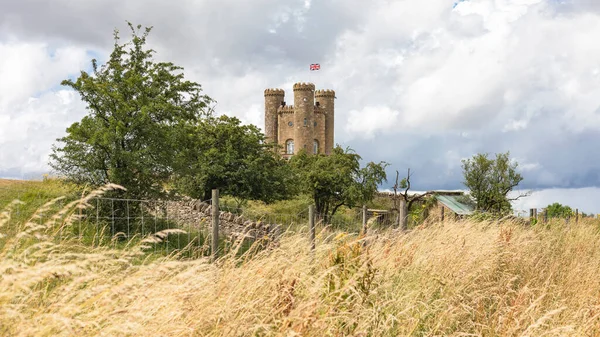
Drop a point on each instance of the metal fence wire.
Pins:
(121, 222)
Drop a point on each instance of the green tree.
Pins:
(337, 179)
(490, 181)
(557, 210)
(220, 152)
(136, 108)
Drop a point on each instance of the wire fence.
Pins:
(119, 222)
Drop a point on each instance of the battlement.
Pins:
(304, 86)
(274, 92)
(325, 93)
(288, 109)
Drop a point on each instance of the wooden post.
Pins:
(215, 224)
(442, 215)
(311, 223)
(364, 219)
(546, 215)
(531, 216)
(576, 215)
(403, 215)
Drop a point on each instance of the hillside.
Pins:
(451, 279)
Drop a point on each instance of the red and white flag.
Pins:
(315, 66)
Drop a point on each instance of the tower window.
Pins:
(315, 124)
(289, 146)
(305, 122)
(316, 146)
(291, 123)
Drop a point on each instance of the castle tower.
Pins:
(304, 111)
(273, 100)
(325, 100)
(305, 125)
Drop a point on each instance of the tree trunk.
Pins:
(403, 215)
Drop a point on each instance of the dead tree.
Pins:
(403, 202)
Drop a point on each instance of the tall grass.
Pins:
(450, 279)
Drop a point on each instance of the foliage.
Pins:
(490, 181)
(220, 152)
(337, 180)
(136, 109)
(557, 210)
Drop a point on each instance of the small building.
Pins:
(454, 204)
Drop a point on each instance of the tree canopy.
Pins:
(557, 210)
(220, 152)
(337, 180)
(136, 108)
(491, 180)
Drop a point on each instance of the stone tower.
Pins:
(308, 124)
(325, 100)
(273, 100)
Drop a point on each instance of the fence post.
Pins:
(576, 215)
(215, 223)
(546, 215)
(531, 216)
(364, 219)
(442, 214)
(403, 215)
(311, 223)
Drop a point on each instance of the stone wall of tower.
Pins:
(326, 98)
(285, 127)
(319, 133)
(273, 100)
(304, 112)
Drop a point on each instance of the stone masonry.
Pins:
(307, 124)
(191, 212)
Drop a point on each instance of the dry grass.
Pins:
(455, 279)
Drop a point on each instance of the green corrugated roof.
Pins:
(452, 202)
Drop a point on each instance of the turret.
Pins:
(325, 100)
(304, 108)
(274, 98)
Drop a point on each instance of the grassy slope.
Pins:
(452, 279)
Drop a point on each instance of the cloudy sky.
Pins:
(419, 83)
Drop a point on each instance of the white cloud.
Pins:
(27, 134)
(26, 69)
(366, 122)
(583, 199)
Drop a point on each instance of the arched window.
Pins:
(289, 146)
(316, 146)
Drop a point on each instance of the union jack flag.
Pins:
(315, 66)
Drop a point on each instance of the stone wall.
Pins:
(191, 212)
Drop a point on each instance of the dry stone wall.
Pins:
(196, 213)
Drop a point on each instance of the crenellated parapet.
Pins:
(274, 92)
(288, 109)
(325, 93)
(304, 86)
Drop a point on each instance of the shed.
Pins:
(455, 204)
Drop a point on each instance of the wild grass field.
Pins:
(440, 279)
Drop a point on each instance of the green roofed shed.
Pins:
(454, 204)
